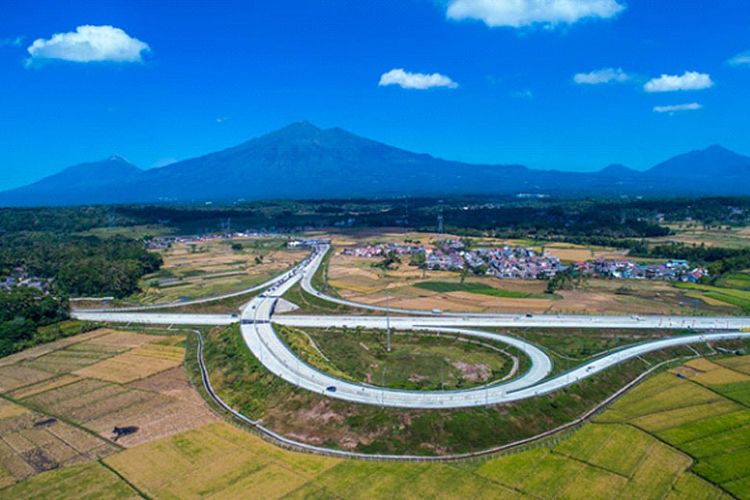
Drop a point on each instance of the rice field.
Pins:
(200, 269)
(701, 410)
(409, 287)
(86, 481)
(707, 373)
(670, 437)
(196, 464)
(135, 364)
(31, 443)
(60, 402)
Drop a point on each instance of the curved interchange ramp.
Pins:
(257, 320)
(258, 334)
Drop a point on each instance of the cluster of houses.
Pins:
(19, 277)
(383, 249)
(517, 263)
(504, 263)
(166, 242)
(672, 270)
(509, 262)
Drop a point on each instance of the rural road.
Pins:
(257, 320)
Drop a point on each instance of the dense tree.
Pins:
(22, 310)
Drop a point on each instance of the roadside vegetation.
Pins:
(734, 291)
(248, 387)
(417, 361)
(570, 347)
(477, 288)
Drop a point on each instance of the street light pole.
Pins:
(382, 387)
(387, 322)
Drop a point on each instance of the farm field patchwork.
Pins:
(692, 409)
(32, 442)
(194, 270)
(53, 413)
(409, 287)
(616, 454)
(90, 481)
(735, 297)
(691, 233)
(135, 364)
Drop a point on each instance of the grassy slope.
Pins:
(478, 288)
(247, 386)
(417, 361)
(569, 347)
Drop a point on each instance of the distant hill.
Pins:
(710, 162)
(304, 161)
(618, 171)
(83, 183)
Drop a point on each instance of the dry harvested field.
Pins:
(617, 456)
(31, 443)
(356, 279)
(569, 252)
(135, 364)
(692, 233)
(88, 384)
(208, 268)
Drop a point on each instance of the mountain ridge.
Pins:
(304, 161)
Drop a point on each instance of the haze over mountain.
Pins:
(304, 161)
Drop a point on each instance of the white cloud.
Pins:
(690, 80)
(600, 76)
(522, 94)
(740, 59)
(419, 81)
(674, 108)
(11, 42)
(89, 43)
(519, 13)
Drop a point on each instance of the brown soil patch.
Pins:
(180, 408)
(41, 350)
(44, 386)
(12, 377)
(28, 448)
(473, 373)
(125, 340)
(135, 364)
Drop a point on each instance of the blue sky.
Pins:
(496, 80)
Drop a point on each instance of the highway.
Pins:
(521, 320)
(257, 330)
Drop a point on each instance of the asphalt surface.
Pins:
(257, 331)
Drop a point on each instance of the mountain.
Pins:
(710, 162)
(303, 161)
(83, 183)
(618, 171)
